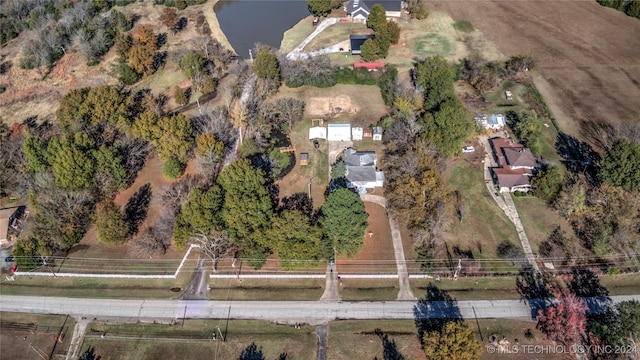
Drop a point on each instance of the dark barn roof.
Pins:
(357, 40)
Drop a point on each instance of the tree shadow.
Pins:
(298, 201)
(434, 311)
(136, 209)
(90, 354)
(180, 25)
(251, 352)
(533, 288)
(578, 157)
(586, 284)
(389, 348)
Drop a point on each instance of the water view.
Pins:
(246, 22)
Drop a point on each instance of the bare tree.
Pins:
(214, 246)
(290, 110)
(149, 245)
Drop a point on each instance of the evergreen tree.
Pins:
(345, 221)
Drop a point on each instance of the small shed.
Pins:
(318, 132)
(304, 159)
(367, 133)
(377, 133)
(356, 133)
(339, 132)
(371, 66)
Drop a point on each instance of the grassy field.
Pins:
(316, 172)
(471, 288)
(334, 34)
(294, 36)
(369, 289)
(193, 340)
(539, 220)
(30, 336)
(486, 226)
(356, 339)
(100, 288)
(266, 289)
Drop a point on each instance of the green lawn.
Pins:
(486, 226)
(349, 339)
(539, 220)
(369, 289)
(294, 36)
(334, 34)
(193, 340)
(100, 288)
(266, 289)
(471, 288)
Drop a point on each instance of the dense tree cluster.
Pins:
(527, 129)
(323, 7)
(630, 7)
(417, 9)
(345, 221)
(387, 33)
(58, 26)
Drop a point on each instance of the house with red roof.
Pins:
(516, 165)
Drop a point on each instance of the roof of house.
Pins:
(304, 156)
(496, 119)
(360, 158)
(377, 130)
(499, 144)
(356, 5)
(361, 174)
(512, 178)
(519, 157)
(5, 216)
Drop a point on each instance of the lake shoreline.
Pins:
(216, 30)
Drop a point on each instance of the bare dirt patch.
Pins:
(378, 255)
(588, 55)
(321, 106)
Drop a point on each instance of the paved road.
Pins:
(310, 312)
(198, 288)
(331, 292)
(321, 331)
(403, 275)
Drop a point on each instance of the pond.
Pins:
(246, 22)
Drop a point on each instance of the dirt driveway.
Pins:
(588, 56)
(335, 148)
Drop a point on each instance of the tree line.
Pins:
(629, 7)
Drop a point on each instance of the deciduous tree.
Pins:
(179, 96)
(436, 78)
(169, 18)
(319, 7)
(448, 127)
(454, 342)
(547, 183)
(621, 165)
(565, 321)
(110, 224)
(345, 221)
(266, 65)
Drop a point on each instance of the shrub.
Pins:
(172, 169)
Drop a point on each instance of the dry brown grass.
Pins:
(587, 55)
(24, 344)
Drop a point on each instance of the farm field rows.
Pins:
(587, 55)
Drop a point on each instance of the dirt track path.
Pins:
(403, 275)
(76, 340)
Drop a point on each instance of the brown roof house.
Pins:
(516, 165)
(10, 223)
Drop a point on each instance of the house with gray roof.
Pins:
(358, 10)
(361, 172)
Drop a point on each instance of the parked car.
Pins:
(316, 144)
(468, 149)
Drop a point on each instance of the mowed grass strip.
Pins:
(266, 289)
(96, 288)
(193, 339)
(348, 339)
(335, 34)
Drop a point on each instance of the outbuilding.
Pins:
(339, 132)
